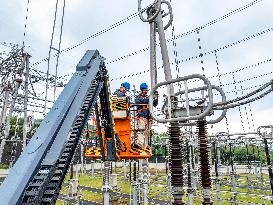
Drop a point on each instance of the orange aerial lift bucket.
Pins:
(125, 133)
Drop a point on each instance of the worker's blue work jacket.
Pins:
(119, 94)
(143, 110)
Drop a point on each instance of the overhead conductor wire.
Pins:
(49, 54)
(58, 52)
(25, 27)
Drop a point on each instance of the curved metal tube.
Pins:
(158, 10)
(158, 2)
(169, 13)
(245, 102)
(206, 111)
(246, 96)
(223, 114)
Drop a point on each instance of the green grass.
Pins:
(4, 166)
(125, 187)
(158, 189)
(89, 181)
(92, 196)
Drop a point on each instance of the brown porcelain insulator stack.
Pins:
(175, 164)
(204, 161)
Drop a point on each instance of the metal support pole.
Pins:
(187, 98)
(124, 169)
(130, 171)
(190, 190)
(139, 167)
(7, 129)
(84, 164)
(27, 56)
(218, 153)
(92, 168)
(217, 158)
(14, 97)
(269, 165)
(106, 183)
(177, 191)
(153, 69)
(82, 159)
(164, 53)
(156, 162)
(3, 119)
(261, 171)
(135, 197)
(166, 61)
(233, 175)
(49, 57)
(145, 179)
(5, 106)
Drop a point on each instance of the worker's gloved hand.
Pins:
(155, 94)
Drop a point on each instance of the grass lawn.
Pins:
(158, 189)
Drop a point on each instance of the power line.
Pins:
(239, 70)
(132, 16)
(239, 108)
(244, 68)
(111, 27)
(201, 27)
(227, 46)
(133, 74)
(25, 27)
(246, 113)
(175, 52)
(220, 84)
(242, 89)
(249, 79)
(238, 10)
(59, 48)
(49, 52)
(214, 76)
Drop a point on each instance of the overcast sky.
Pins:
(86, 17)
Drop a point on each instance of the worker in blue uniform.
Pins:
(124, 88)
(144, 120)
